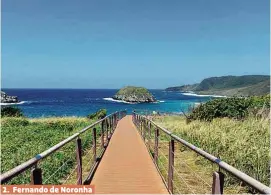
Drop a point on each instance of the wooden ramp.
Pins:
(126, 167)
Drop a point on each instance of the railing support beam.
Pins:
(36, 176)
(156, 146)
(94, 144)
(102, 135)
(170, 165)
(79, 160)
(218, 183)
(144, 130)
(111, 126)
(107, 127)
(149, 135)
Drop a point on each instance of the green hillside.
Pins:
(246, 85)
(183, 88)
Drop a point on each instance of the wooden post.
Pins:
(170, 165)
(79, 160)
(149, 135)
(106, 125)
(111, 126)
(102, 134)
(144, 130)
(115, 121)
(94, 144)
(218, 183)
(141, 125)
(36, 176)
(156, 146)
(112, 123)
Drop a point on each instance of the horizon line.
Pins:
(77, 88)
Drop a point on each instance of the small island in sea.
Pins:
(134, 95)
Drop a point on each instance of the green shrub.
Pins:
(98, 115)
(237, 108)
(11, 112)
(260, 101)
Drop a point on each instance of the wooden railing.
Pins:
(108, 125)
(172, 176)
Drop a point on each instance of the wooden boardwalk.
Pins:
(126, 167)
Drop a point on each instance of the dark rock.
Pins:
(8, 99)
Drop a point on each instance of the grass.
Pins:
(242, 144)
(23, 138)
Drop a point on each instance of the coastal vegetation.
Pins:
(233, 129)
(236, 108)
(23, 138)
(247, 85)
(98, 115)
(134, 95)
(9, 111)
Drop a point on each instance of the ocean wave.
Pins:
(119, 101)
(197, 95)
(50, 101)
(158, 101)
(18, 103)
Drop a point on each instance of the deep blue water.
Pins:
(81, 102)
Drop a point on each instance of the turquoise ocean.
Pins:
(81, 102)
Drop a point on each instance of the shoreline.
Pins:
(119, 101)
(122, 101)
(199, 95)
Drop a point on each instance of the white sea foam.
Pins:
(7, 104)
(193, 94)
(119, 101)
(158, 101)
(197, 103)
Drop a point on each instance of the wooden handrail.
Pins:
(255, 184)
(5, 177)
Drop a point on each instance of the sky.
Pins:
(114, 43)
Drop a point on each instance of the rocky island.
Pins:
(134, 95)
(8, 99)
